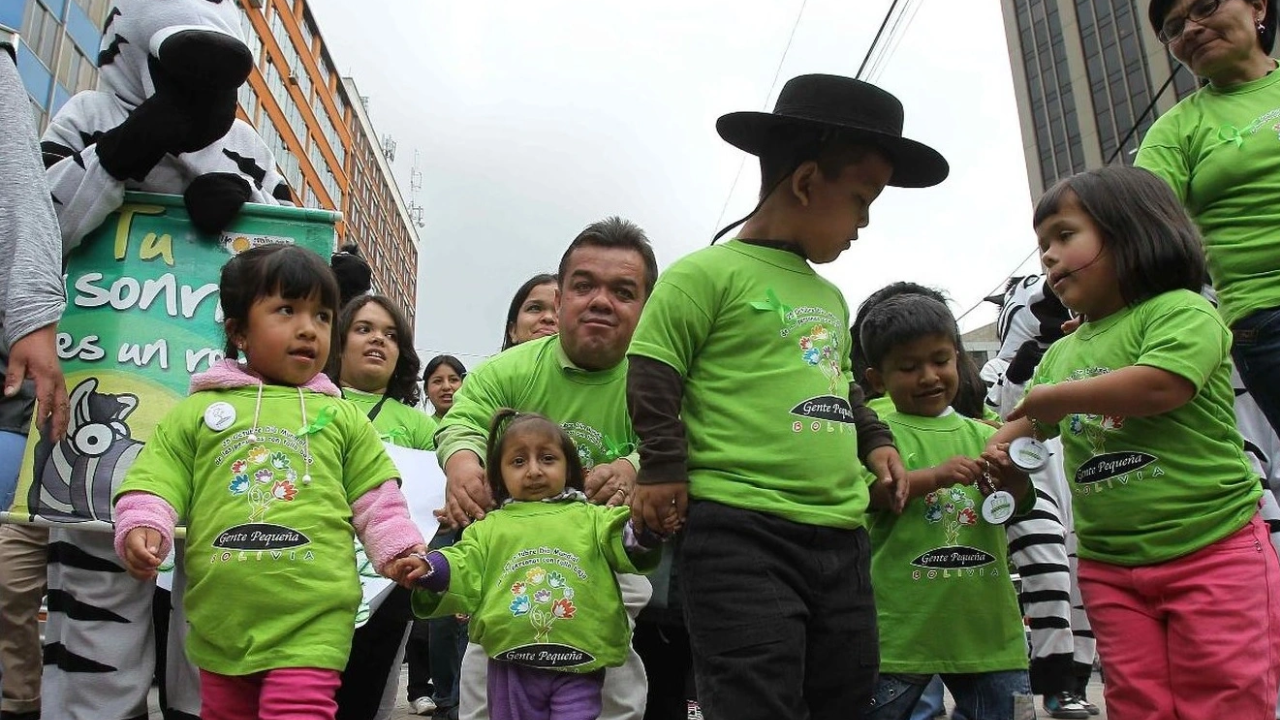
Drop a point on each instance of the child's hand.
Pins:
(959, 470)
(885, 463)
(408, 566)
(1040, 405)
(141, 552)
(660, 508)
(1004, 474)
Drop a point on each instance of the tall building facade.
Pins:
(1083, 73)
(302, 108)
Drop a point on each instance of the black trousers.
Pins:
(373, 654)
(781, 616)
(667, 663)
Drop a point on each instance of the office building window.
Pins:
(1119, 77)
(1057, 131)
(41, 31)
(75, 72)
(96, 10)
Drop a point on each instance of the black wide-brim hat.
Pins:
(857, 110)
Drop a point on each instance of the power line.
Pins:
(1119, 148)
(876, 40)
(772, 84)
(895, 38)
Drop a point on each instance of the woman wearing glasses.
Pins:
(1220, 150)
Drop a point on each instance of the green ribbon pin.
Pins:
(614, 450)
(325, 417)
(396, 433)
(1229, 134)
(771, 303)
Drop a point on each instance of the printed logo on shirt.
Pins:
(263, 478)
(1104, 466)
(595, 447)
(547, 655)
(260, 536)
(954, 510)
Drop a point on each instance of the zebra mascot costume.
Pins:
(162, 119)
(1042, 544)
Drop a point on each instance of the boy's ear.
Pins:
(802, 181)
(876, 379)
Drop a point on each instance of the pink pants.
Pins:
(1193, 638)
(281, 694)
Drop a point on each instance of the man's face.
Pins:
(601, 295)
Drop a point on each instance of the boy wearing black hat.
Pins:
(740, 390)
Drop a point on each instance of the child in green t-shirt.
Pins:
(538, 578)
(944, 560)
(273, 474)
(1176, 569)
(751, 433)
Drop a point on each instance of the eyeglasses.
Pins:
(1173, 27)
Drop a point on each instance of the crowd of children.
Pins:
(835, 555)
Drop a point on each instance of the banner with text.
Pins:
(142, 316)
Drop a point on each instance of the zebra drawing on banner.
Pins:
(73, 479)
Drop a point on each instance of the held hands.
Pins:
(142, 553)
(466, 492)
(409, 566)
(885, 463)
(611, 484)
(659, 508)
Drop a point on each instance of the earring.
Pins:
(1261, 28)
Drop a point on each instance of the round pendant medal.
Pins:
(219, 416)
(1028, 454)
(998, 507)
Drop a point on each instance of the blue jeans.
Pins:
(11, 447)
(929, 705)
(1256, 351)
(979, 696)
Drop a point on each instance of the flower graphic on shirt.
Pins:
(541, 605)
(563, 609)
(520, 606)
(812, 356)
(806, 342)
(291, 475)
(284, 490)
(258, 454)
(953, 508)
(1094, 428)
(279, 460)
(264, 476)
(239, 466)
(239, 484)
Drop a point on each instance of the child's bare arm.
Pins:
(958, 470)
(1134, 391)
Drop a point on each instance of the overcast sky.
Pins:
(532, 120)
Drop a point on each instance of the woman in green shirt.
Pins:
(376, 367)
(1217, 148)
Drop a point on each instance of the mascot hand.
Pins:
(131, 149)
(214, 200)
(1024, 362)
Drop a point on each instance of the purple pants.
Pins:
(520, 692)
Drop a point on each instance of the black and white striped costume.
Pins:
(162, 119)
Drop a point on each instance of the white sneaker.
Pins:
(423, 706)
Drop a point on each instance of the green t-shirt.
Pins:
(1220, 150)
(944, 600)
(538, 580)
(762, 343)
(271, 574)
(396, 422)
(1150, 489)
(538, 377)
